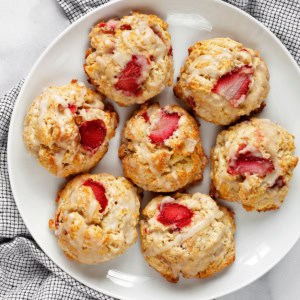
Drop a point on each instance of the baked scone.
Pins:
(252, 163)
(96, 217)
(68, 128)
(161, 149)
(223, 80)
(187, 234)
(131, 59)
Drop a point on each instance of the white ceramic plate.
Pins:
(262, 239)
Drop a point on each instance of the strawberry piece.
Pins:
(234, 85)
(145, 116)
(165, 127)
(175, 214)
(57, 220)
(125, 27)
(191, 102)
(72, 108)
(92, 134)
(99, 192)
(279, 182)
(129, 80)
(248, 163)
(102, 24)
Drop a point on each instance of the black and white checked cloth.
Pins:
(25, 271)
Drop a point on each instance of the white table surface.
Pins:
(26, 29)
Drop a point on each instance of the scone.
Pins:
(188, 235)
(222, 80)
(96, 217)
(252, 163)
(161, 148)
(68, 128)
(130, 60)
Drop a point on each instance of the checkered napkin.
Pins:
(25, 271)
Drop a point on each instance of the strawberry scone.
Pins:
(252, 163)
(130, 59)
(96, 217)
(223, 80)
(68, 128)
(187, 235)
(161, 149)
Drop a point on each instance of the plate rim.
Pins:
(225, 291)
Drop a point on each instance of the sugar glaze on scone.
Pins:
(96, 217)
(130, 60)
(223, 80)
(161, 148)
(187, 234)
(253, 163)
(68, 128)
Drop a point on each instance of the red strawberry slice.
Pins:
(125, 27)
(248, 163)
(165, 127)
(145, 116)
(234, 85)
(99, 192)
(72, 108)
(175, 214)
(279, 182)
(92, 134)
(129, 80)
